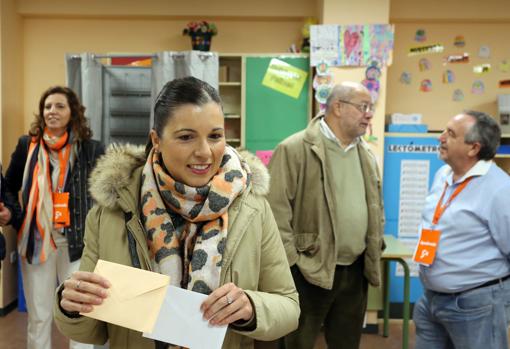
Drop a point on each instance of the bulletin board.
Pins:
(271, 115)
(438, 105)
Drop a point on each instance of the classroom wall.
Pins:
(59, 27)
(448, 11)
(481, 23)
(175, 8)
(437, 106)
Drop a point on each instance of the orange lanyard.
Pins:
(441, 208)
(63, 157)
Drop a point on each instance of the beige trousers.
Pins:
(40, 283)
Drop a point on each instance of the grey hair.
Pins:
(485, 131)
(344, 91)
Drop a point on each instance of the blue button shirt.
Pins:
(474, 245)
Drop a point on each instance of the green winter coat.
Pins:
(254, 257)
(302, 204)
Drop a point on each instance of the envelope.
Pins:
(134, 298)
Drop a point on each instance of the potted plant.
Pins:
(201, 33)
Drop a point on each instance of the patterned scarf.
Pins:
(34, 236)
(187, 226)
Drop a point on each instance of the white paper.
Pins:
(324, 44)
(414, 179)
(180, 322)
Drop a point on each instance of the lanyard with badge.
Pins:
(61, 216)
(425, 252)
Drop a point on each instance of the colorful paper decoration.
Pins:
(264, 156)
(504, 66)
(405, 78)
(478, 87)
(458, 95)
(459, 41)
(322, 93)
(350, 45)
(372, 74)
(322, 68)
(322, 80)
(421, 50)
(424, 64)
(373, 87)
(426, 85)
(420, 35)
(448, 77)
(504, 83)
(463, 58)
(484, 51)
(482, 68)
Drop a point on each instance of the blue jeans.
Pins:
(476, 319)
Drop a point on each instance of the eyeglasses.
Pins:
(362, 108)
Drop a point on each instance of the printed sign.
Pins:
(285, 78)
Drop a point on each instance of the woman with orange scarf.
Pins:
(51, 166)
(193, 208)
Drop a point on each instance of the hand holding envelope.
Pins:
(134, 299)
(143, 301)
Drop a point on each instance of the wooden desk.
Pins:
(396, 251)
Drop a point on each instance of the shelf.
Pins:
(230, 83)
(232, 116)
(502, 156)
(233, 140)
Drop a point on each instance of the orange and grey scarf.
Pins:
(187, 226)
(34, 236)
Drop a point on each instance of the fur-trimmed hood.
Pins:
(114, 170)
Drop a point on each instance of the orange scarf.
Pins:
(187, 226)
(34, 237)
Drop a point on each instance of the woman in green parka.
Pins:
(190, 207)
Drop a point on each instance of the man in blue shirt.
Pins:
(466, 303)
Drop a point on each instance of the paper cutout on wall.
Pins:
(372, 75)
(352, 37)
(504, 66)
(448, 77)
(264, 156)
(321, 93)
(484, 51)
(478, 87)
(420, 35)
(458, 95)
(459, 41)
(322, 80)
(351, 45)
(372, 86)
(504, 83)
(463, 58)
(424, 64)
(322, 68)
(405, 78)
(426, 85)
(421, 50)
(285, 78)
(482, 68)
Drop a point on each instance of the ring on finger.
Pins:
(229, 300)
(78, 284)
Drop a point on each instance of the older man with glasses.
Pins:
(325, 195)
